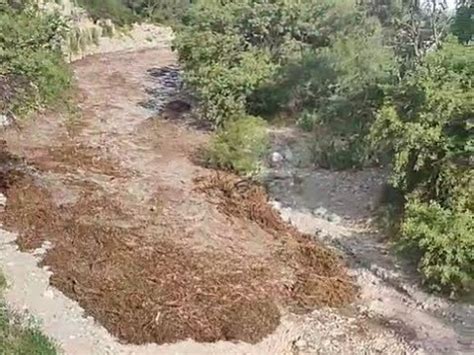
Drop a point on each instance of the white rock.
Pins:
(321, 212)
(4, 121)
(277, 157)
(276, 204)
(334, 218)
(301, 343)
(3, 200)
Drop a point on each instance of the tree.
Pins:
(425, 127)
(463, 23)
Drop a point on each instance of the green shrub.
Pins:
(47, 70)
(230, 50)
(125, 12)
(336, 153)
(444, 240)
(425, 127)
(239, 145)
(221, 71)
(463, 24)
(163, 11)
(114, 10)
(286, 57)
(31, 52)
(18, 338)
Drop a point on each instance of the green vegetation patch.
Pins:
(18, 338)
(32, 67)
(239, 145)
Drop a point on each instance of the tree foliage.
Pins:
(240, 55)
(124, 12)
(239, 145)
(426, 126)
(463, 23)
(32, 69)
(377, 81)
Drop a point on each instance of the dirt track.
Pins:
(135, 242)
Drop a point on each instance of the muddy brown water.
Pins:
(143, 251)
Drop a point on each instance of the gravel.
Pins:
(334, 206)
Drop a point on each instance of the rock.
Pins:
(4, 121)
(276, 205)
(334, 218)
(3, 200)
(39, 252)
(301, 343)
(321, 212)
(277, 158)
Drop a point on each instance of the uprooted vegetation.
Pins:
(155, 290)
(149, 257)
(320, 279)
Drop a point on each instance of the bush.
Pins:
(337, 153)
(340, 88)
(266, 58)
(163, 11)
(463, 23)
(30, 53)
(114, 10)
(239, 145)
(231, 49)
(125, 12)
(221, 71)
(444, 240)
(425, 126)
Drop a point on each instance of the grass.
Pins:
(16, 338)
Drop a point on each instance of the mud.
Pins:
(141, 250)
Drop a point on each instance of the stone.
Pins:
(276, 204)
(301, 343)
(278, 175)
(39, 252)
(4, 121)
(3, 200)
(321, 212)
(276, 158)
(334, 218)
